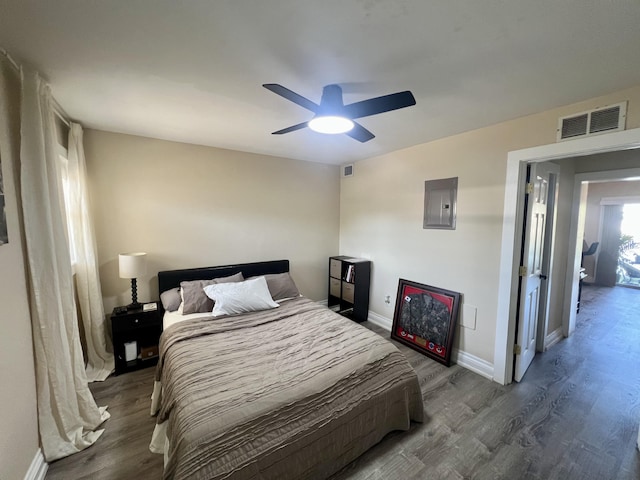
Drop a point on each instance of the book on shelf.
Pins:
(351, 274)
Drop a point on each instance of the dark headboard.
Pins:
(172, 278)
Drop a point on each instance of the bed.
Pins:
(293, 392)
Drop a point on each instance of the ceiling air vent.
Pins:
(575, 126)
(605, 120)
(600, 120)
(347, 171)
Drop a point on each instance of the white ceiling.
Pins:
(192, 71)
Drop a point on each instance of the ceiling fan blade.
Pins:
(290, 129)
(373, 106)
(360, 133)
(291, 96)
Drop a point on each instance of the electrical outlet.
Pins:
(387, 299)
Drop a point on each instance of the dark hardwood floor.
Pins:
(575, 415)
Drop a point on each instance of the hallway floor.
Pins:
(598, 370)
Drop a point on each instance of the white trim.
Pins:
(516, 160)
(620, 200)
(380, 321)
(609, 175)
(473, 363)
(553, 338)
(38, 468)
(464, 359)
(611, 142)
(548, 252)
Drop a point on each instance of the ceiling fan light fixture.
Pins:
(330, 124)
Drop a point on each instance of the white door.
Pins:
(531, 275)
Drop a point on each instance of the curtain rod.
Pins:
(60, 113)
(57, 109)
(11, 60)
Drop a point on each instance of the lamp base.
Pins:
(134, 305)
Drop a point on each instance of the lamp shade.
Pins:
(132, 265)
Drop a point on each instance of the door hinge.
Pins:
(517, 350)
(529, 188)
(522, 271)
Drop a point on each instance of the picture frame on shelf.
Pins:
(425, 319)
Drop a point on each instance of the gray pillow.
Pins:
(193, 296)
(171, 299)
(281, 285)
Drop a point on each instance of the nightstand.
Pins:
(136, 334)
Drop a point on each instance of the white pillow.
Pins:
(240, 297)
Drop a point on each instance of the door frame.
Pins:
(512, 235)
(547, 256)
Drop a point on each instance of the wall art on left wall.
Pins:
(4, 236)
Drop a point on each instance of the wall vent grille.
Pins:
(594, 122)
(347, 171)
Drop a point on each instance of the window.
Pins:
(68, 189)
(67, 193)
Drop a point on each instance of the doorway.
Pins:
(612, 221)
(536, 253)
(628, 272)
(582, 152)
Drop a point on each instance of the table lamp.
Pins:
(133, 266)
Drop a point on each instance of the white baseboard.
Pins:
(464, 359)
(553, 338)
(38, 468)
(380, 321)
(473, 363)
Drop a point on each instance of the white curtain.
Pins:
(100, 361)
(67, 413)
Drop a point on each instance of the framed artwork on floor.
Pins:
(425, 319)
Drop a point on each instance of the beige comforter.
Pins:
(296, 392)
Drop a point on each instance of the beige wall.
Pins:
(382, 205)
(193, 206)
(18, 413)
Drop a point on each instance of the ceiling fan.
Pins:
(333, 116)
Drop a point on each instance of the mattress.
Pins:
(296, 392)
(169, 318)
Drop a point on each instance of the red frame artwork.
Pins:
(425, 319)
